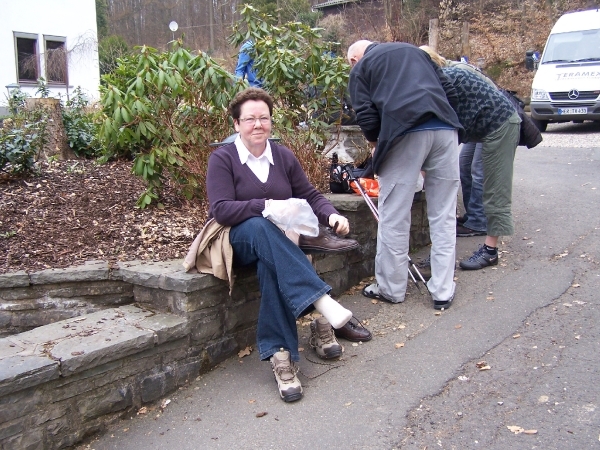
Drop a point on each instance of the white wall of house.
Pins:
(43, 24)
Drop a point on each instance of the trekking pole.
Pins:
(375, 212)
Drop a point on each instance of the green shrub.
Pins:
(164, 109)
(22, 134)
(302, 73)
(81, 126)
(19, 146)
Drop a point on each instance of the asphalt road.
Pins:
(531, 323)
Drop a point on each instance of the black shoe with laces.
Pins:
(480, 259)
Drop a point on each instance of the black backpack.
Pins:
(338, 176)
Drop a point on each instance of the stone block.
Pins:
(58, 427)
(128, 369)
(180, 303)
(241, 315)
(89, 376)
(95, 289)
(5, 319)
(188, 371)
(175, 350)
(245, 337)
(57, 392)
(21, 293)
(221, 349)
(167, 327)
(19, 404)
(330, 263)
(104, 401)
(205, 326)
(168, 275)
(49, 413)
(90, 271)
(25, 320)
(12, 428)
(153, 387)
(79, 353)
(14, 279)
(30, 440)
(21, 372)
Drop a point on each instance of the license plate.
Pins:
(572, 110)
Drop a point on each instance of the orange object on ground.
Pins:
(370, 186)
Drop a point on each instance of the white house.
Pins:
(53, 39)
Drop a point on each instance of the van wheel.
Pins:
(540, 124)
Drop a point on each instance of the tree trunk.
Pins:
(434, 31)
(464, 39)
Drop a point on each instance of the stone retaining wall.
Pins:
(69, 378)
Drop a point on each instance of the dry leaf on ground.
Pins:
(245, 352)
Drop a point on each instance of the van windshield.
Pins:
(575, 46)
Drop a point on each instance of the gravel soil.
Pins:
(75, 211)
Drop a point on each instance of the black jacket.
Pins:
(530, 135)
(395, 87)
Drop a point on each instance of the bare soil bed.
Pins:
(75, 211)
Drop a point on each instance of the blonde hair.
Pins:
(435, 56)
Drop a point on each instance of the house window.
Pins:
(27, 58)
(56, 60)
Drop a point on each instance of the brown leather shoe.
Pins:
(353, 331)
(326, 242)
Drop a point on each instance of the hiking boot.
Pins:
(480, 259)
(462, 231)
(424, 267)
(285, 370)
(323, 340)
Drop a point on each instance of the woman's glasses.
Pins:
(252, 120)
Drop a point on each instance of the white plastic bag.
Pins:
(293, 214)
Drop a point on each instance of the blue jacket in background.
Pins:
(244, 68)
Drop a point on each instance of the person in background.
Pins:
(243, 179)
(489, 117)
(244, 68)
(414, 129)
(473, 222)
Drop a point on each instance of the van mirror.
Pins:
(532, 59)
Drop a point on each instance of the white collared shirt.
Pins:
(259, 166)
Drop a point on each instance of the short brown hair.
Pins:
(235, 107)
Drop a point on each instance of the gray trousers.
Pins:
(436, 152)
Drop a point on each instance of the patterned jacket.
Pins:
(482, 108)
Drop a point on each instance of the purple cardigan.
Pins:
(235, 194)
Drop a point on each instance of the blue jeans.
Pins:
(288, 283)
(471, 180)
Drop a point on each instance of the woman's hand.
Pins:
(343, 227)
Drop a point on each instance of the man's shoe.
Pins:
(424, 268)
(461, 219)
(462, 231)
(437, 304)
(285, 370)
(323, 340)
(353, 332)
(480, 259)
(326, 242)
(372, 291)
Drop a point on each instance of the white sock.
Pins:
(335, 313)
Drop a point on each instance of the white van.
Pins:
(566, 86)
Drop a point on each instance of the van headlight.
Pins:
(539, 95)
